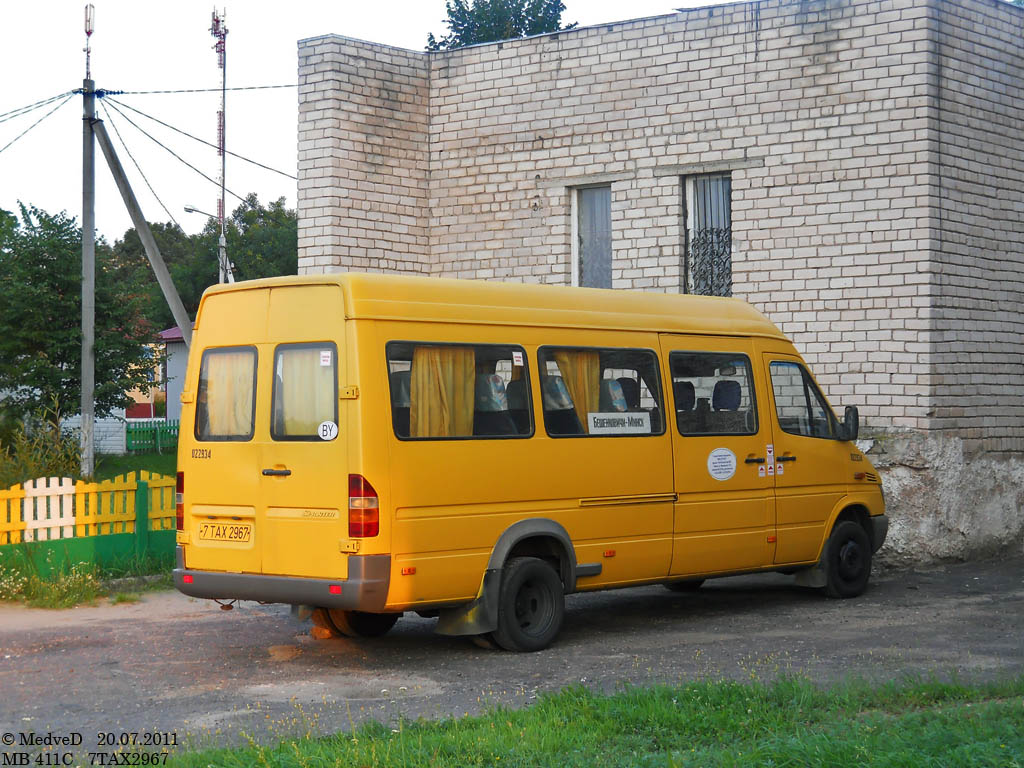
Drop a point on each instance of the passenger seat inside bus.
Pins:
(687, 419)
(630, 391)
(559, 413)
(400, 402)
(611, 399)
(491, 416)
(518, 405)
(725, 403)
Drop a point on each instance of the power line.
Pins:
(25, 110)
(196, 138)
(202, 90)
(135, 162)
(37, 122)
(173, 153)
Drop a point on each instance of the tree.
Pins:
(40, 319)
(262, 241)
(484, 21)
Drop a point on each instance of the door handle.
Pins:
(751, 460)
(786, 458)
(276, 472)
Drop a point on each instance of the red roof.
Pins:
(171, 334)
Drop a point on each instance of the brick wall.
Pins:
(363, 117)
(825, 112)
(978, 70)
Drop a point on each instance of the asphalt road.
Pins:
(175, 664)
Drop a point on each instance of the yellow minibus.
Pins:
(366, 445)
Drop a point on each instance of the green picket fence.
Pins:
(152, 437)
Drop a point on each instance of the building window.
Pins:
(709, 235)
(594, 236)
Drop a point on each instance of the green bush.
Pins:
(37, 447)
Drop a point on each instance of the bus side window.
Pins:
(713, 393)
(600, 392)
(446, 391)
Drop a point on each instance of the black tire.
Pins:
(360, 624)
(690, 585)
(847, 560)
(531, 605)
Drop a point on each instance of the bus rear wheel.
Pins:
(361, 624)
(531, 605)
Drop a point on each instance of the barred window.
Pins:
(709, 235)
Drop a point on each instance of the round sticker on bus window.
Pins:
(721, 464)
(327, 430)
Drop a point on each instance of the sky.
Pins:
(145, 45)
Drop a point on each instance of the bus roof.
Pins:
(430, 299)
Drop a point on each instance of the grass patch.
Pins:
(66, 588)
(790, 722)
(124, 597)
(165, 463)
(81, 583)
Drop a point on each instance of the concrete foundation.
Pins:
(946, 501)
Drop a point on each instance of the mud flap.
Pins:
(478, 616)
(813, 577)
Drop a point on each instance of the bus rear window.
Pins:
(305, 392)
(226, 401)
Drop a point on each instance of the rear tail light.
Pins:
(363, 508)
(179, 502)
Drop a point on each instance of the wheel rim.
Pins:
(533, 608)
(851, 560)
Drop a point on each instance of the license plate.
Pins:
(241, 532)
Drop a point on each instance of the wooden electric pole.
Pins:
(88, 259)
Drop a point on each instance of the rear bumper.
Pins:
(365, 589)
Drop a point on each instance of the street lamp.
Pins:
(226, 272)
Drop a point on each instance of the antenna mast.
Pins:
(220, 34)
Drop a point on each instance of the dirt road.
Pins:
(174, 664)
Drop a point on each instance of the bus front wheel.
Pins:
(847, 560)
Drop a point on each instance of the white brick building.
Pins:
(868, 156)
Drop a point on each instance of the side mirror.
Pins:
(850, 427)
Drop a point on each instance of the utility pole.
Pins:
(88, 255)
(93, 130)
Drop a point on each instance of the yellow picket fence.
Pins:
(47, 509)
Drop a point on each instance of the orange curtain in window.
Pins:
(581, 371)
(441, 392)
(228, 393)
(305, 388)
